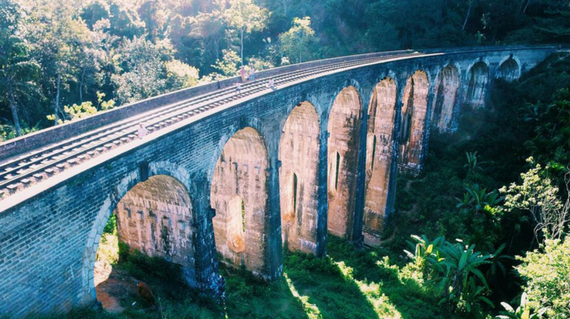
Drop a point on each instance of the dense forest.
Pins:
(480, 233)
(62, 60)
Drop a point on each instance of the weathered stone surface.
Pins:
(380, 146)
(478, 85)
(155, 217)
(299, 156)
(413, 117)
(445, 98)
(48, 240)
(509, 70)
(344, 126)
(239, 197)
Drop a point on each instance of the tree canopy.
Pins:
(60, 53)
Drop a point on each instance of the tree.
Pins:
(380, 34)
(551, 122)
(463, 284)
(547, 276)
(155, 15)
(59, 38)
(300, 41)
(144, 69)
(125, 21)
(17, 70)
(210, 28)
(467, 12)
(245, 16)
(540, 198)
(102, 59)
(228, 66)
(66, 43)
(180, 75)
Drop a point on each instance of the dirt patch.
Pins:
(113, 286)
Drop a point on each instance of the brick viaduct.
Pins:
(290, 166)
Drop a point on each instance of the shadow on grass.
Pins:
(174, 298)
(346, 284)
(327, 288)
(250, 297)
(409, 300)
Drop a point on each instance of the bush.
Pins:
(548, 276)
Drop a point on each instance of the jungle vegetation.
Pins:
(65, 59)
(480, 233)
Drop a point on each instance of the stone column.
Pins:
(394, 169)
(207, 270)
(322, 198)
(458, 104)
(427, 123)
(357, 236)
(274, 261)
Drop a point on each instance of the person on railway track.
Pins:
(142, 132)
(251, 72)
(242, 73)
(271, 84)
(238, 88)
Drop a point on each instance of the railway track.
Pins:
(20, 172)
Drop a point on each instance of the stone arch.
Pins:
(170, 212)
(478, 77)
(343, 142)
(379, 146)
(509, 70)
(446, 87)
(240, 177)
(412, 125)
(299, 156)
(155, 217)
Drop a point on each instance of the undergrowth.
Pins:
(345, 284)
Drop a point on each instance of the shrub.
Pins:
(548, 276)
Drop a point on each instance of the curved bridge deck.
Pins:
(21, 171)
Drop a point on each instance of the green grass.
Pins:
(345, 284)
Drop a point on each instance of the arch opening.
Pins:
(445, 98)
(239, 196)
(343, 142)
(381, 117)
(154, 217)
(477, 89)
(412, 126)
(509, 70)
(299, 156)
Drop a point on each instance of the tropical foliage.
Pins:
(547, 276)
(61, 53)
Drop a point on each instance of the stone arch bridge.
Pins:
(239, 174)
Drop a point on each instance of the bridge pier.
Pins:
(208, 276)
(273, 230)
(322, 189)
